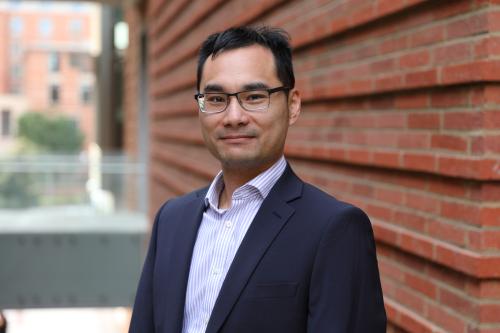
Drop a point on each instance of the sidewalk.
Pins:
(85, 320)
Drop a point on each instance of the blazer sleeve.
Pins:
(142, 320)
(345, 291)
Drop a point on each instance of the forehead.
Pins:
(233, 69)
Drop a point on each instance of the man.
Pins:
(259, 250)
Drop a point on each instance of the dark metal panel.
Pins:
(69, 269)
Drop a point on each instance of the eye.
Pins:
(255, 97)
(215, 98)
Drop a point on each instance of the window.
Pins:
(45, 27)
(85, 94)
(76, 27)
(75, 60)
(54, 62)
(16, 26)
(80, 61)
(6, 123)
(54, 94)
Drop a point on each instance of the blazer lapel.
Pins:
(176, 270)
(270, 219)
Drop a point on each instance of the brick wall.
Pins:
(401, 116)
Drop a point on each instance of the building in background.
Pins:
(47, 52)
(400, 116)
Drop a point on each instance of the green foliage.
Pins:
(52, 134)
(16, 191)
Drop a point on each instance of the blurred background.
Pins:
(400, 116)
(73, 205)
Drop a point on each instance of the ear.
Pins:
(293, 106)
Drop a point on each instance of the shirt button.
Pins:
(216, 271)
(228, 224)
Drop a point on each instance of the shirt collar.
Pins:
(262, 184)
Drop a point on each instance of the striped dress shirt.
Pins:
(219, 237)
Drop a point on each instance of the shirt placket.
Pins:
(223, 246)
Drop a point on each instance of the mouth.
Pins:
(236, 138)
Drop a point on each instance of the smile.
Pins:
(236, 138)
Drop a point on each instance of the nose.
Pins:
(235, 115)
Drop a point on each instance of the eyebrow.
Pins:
(248, 86)
(255, 85)
(213, 88)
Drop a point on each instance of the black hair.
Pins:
(274, 39)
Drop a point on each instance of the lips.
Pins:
(236, 138)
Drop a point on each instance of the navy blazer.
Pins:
(306, 264)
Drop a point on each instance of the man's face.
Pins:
(242, 139)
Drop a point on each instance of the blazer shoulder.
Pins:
(332, 210)
(180, 203)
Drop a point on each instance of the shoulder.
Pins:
(333, 213)
(177, 204)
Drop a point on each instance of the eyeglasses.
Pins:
(250, 100)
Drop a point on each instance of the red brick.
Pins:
(422, 203)
(449, 142)
(360, 156)
(448, 188)
(394, 44)
(494, 20)
(412, 101)
(489, 313)
(490, 240)
(463, 167)
(427, 36)
(411, 220)
(463, 73)
(424, 120)
(447, 232)
(385, 7)
(421, 79)
(386, 159)
(458, 303)
(489, 289)
(461, 212)
(448, 321)
(451, 9)
(384, 234)
(409, 299)
(449, 98)
(415, 59)
(489, 192)
(477, 145)
(447, 276)
(486, 47)
(492, 144)
(390, 120)
(414, 140)
(389, 82)
(467, 26)
(382, 66)
(448, 54)
(416, 245)
(422, 285)
(462, 120)
(491, 119)
(390, 270)
(492, 94)
(379, 212)
(419, 161)
(489, 266)
(389, 195)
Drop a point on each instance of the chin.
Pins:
(240, 162)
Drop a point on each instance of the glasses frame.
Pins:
(236, 94)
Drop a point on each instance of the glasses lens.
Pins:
(213, 102)
(254, 100)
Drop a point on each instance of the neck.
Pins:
(235, 178)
